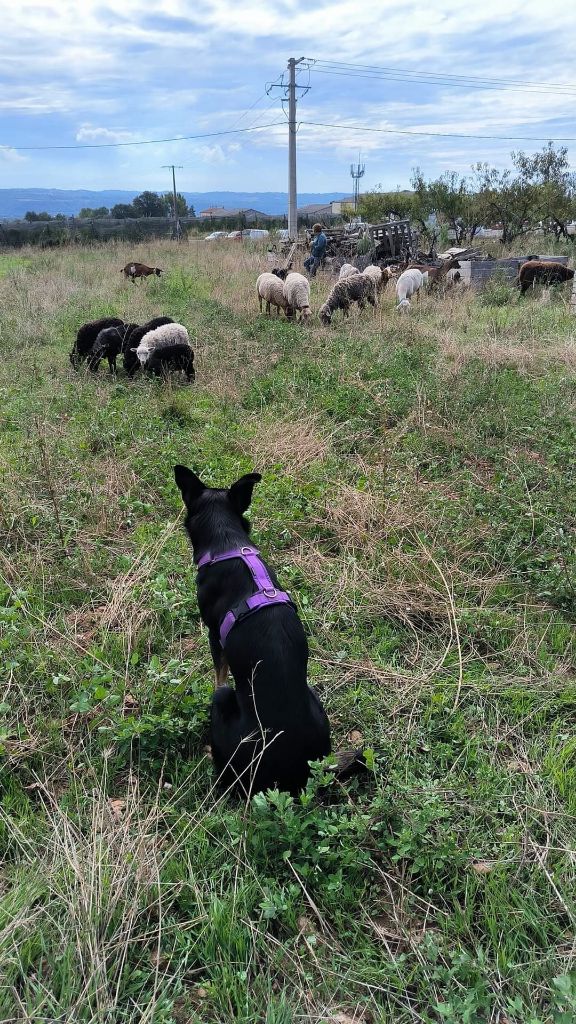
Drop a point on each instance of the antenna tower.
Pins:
(357, 171)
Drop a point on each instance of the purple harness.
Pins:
(266, 593)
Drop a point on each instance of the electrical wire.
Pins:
(430, 77)
(441, 135)
(146, 142)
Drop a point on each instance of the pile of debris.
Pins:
(459, 253)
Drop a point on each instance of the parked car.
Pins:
(249, 234)
(214, 235)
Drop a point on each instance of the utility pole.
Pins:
(292, 189)
(172, 167)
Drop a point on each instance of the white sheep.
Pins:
(407, 285)
(297, 294)
(168, 345)
(380, 275)
(270, 288)
(347, 270)
(376, 274)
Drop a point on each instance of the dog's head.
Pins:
(157, 271)
(210, 509)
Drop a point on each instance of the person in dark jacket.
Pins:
(317, 250)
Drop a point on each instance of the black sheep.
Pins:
(133, 338)
(544, 271)
(86, 338)
(108, 345)
(173, 357)
(356, 288)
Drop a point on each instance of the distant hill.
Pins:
(15, 202)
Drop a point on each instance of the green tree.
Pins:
(31, 216)
(422, 204)
(508, 200)
(555, 186)
(181, 204)
(456, 204)
(122, 211)
(150, 204)
(97, 213)
(377, 206)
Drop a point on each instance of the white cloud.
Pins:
(211, 154)
(10, 155)
(93, 67)
(90, 133)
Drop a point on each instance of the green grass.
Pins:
(418, 500)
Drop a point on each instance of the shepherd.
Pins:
(317, 250)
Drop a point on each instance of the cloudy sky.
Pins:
(86, 73)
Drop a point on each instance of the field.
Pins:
(418, 499)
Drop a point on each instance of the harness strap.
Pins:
(266, 593)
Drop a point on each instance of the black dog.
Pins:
(266, 729)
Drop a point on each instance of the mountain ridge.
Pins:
(15, 202)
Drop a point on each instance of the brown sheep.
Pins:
(134, 270)
(543, 271)
(435, 277)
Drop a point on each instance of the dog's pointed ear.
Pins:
(240, 494)
(191, 486)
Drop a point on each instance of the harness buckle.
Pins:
(270, 592)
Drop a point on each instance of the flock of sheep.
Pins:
(289, 291)
(156, 347)
(161, 345)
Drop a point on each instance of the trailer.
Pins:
(394, 240)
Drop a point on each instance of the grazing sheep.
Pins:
(282, 272)
(270, 288)
(297, 295)
(86, 338)
(347, 270)
(356, 288)
(407, 285)
(108, 345)
(166, 348)
(453, 278)
(133, 338)
(380, 275)
(546, 272)
(134, 270)
(375, 273)
(435, 277)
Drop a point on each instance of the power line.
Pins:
(146, 142)
(251, 107)
(441, 135)
(465, 81)
(441, 84)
